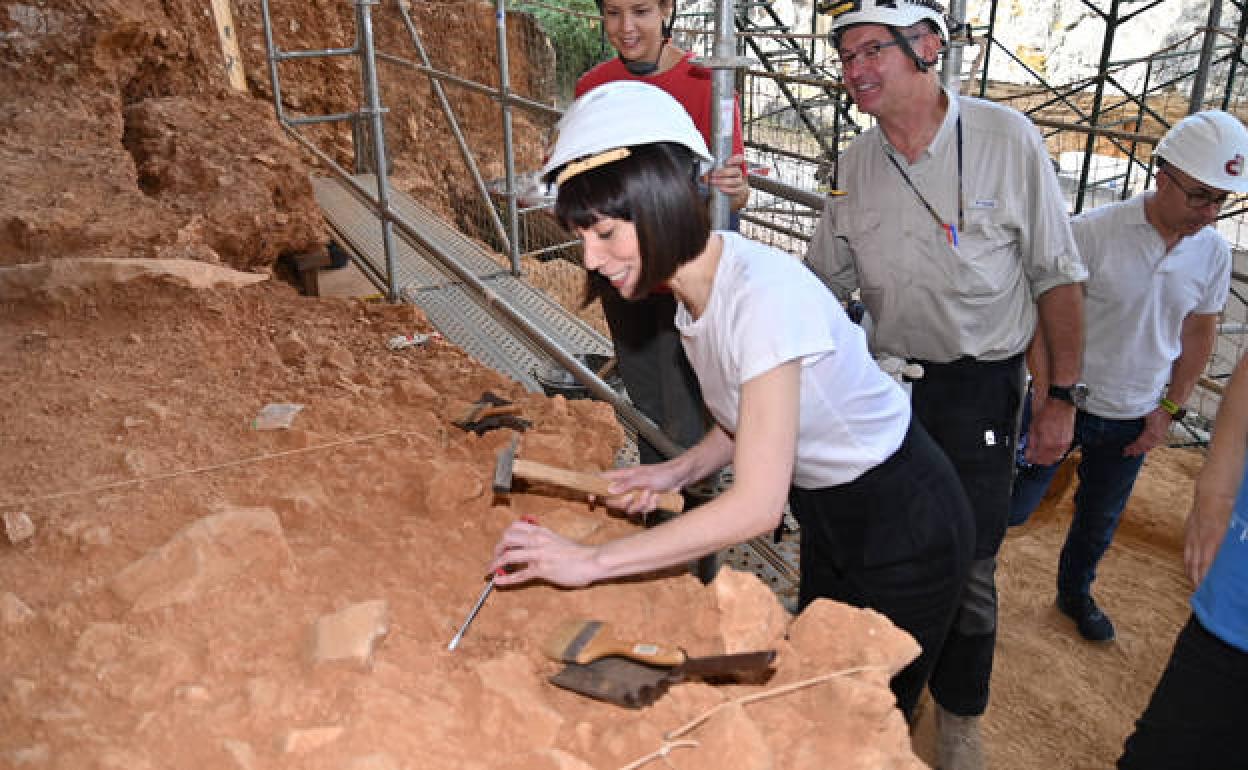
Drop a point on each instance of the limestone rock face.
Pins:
(1063, 40)
(65, 275)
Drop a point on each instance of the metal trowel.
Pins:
(631, 684)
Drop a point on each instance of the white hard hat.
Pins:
(622, 113)
(1210, 147)
(890, 13)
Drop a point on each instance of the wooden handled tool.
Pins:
(625, 682)
(509, 467)
(584, 641)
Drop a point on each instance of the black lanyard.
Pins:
(951, 232)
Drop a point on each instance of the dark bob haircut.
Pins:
(655, 188)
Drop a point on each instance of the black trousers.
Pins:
(971, 409)
(898, 540)
(652, 363)
(1195, 719)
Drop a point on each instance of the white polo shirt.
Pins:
(929, 299)
(766, 309)
(1137, 298)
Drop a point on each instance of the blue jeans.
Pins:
(1105, 481)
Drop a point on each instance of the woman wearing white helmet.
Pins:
(800, 408)
(647, 348)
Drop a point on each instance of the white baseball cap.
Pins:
(1210, 147)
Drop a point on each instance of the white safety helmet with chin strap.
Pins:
(600, 126)
(1210, 147)
(894, 14)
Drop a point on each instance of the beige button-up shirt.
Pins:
(928, 298)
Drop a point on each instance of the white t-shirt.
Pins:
(766, 308)
(1137, 298)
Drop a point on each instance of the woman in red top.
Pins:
(650, 358)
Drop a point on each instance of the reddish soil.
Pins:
(166, 610)
(182, 557)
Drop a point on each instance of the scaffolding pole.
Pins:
(1107, 44)
(951, 74)
(509, 158)
(723, 67)
(1201, 80)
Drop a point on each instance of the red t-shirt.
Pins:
(687, 83)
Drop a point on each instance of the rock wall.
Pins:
(119, 134)
(1062, 41)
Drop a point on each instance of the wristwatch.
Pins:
(1175, 411)
(1076, 395)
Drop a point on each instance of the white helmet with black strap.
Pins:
(1210, 147)
(897, 15)
(600, 126)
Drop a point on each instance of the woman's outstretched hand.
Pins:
(529, 551)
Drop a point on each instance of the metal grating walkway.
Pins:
(452, 307)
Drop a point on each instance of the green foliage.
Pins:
(578, 43)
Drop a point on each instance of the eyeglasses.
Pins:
(870, 52)
(1200, 197)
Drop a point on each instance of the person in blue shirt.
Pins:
(1198, 712)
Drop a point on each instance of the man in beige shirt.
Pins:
(955, 232)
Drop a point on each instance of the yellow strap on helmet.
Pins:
(592, 162)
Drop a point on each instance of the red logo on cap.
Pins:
(1235, 166)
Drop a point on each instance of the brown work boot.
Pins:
(958, 742)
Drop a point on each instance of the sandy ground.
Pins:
(1059, 701)
(199, 587)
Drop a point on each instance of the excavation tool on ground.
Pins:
(584, 641)
(490, 412)
(509, 467)
(485, 594)
(635, 674)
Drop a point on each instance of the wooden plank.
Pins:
(224, 19)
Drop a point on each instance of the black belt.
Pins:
(966, 363)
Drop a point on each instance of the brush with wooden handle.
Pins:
(584, 641)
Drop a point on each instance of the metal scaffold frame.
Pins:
(1094, 117)
(797, 117)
